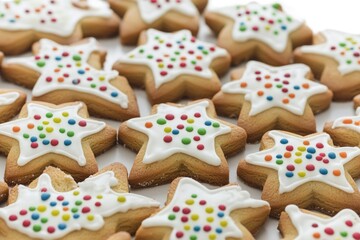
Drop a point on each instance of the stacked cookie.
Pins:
(53, 187)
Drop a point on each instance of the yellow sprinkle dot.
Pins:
(210, 219)
(78, 64)
(65, 114)
(160, 65)
(99, 196)
(301, 149)
(66, 217)
(101, 78)
(223, 223)
(194, 217)
(49, 129)
(55, 212)
(189, 202)
(45, 122)
(301, 174)
(190, 120)
(76, 193)
(161, 41)
(57, 120)
(298, 154)
(41, 208)
(298, 160)
(209, 209)
(90, 217)
(267, 28)
(187, 227)
(121, 199)
(131, 56)
(212, 236)
(167, 129)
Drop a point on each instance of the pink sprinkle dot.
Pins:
(186, 210)
(329, 231)
(169, 116)
(349, 223)
(54, 142)
(310, 167)
(176, 209)
(167, 139)
(319, 145)
(12, 218)
(82, 123)
(200, 147)
(179, 234)
(51, 229)
(26, 223)
(85, 210)
(207, 228)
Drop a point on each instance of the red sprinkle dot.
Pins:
(329, 231)
(23, 212)
(289, 148)
(34, 145)
(176, 209)
(184, 117)
(290, 167)
(310, 167)
(98, 204)
(196, 138)
(356, 235)
(169, 116)
(12, 218)
(87, 197)
(167, 139)
(200, 147)
(26, 223)
(54, 142)
(163, 73)
(51, 229)
(197, 115)
(60, 198)
(207, 228)
(180, 126)
(82, 123)
(349, 223)
(202, 202)
(184, 219)
(222, 207)
(186, 210)
(319, 145)
(179, 234)
(85, 210)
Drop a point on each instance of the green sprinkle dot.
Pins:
(49, 115)
(44, 220)
(201, 131)
(216, 124)
(62, 130)
(74, 210)
(186, 141)
(205, 52)
(40, 63)
(78, 203)
(194, 195)
(177, 53)
(276, 6)
(161, 121)
(141, 51)
(76, 58)
(279, 162)
(93, 85)
(31, 209)
(40, 128)
(171, 217)
(342, 44)
(150, 56)
(70, 133)
(276, 32)
(189, 129)
(173, 59)
(193, 62)
(344, 234)
(25, 135)
(42, 135)
(279, 85)
(289, 19)
(242, 29)
(193, 237)
(37, 228)
(348, 61)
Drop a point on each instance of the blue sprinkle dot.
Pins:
(53, 204)
(278, 156)
(71, 121)
(65, 203)
(62, 226)
(12, 20)
(58, 58)
(67, 142)
(114, 94)
(76, 216)
(197, 228)
(35, 216)
(308, 156)
(218, 230)
(323, 171)
(332, 155)
(76, 81)
(46, 142)
(284, 141)
(289, 174)
(81, 71)
(200, 47)
(220, 214)
(208, 123)
(296, 87)
(45, 196)
(33, 139)
(311, 150)
(283, 27)
(175, 132)
(269, 98)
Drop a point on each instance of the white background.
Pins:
(340, 15)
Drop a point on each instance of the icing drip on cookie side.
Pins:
(170, 55)
(345, 225)
(266, 87)
(265, 23)
(352, 123)
(342, 47)
(152, 10)
(196, 212)
(66, 68)
(8, 98)
(51, 130)
(187, 130)
(302, 160)
(59, 17)
(45, 213)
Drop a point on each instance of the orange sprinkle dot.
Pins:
(342, 53)
(291, 95)
(260, 93)
(287, 154)
(305, 85)
(30, 126)
(56, 70)
(267, 76)
(87, 69)
(306, 142)
(166, 55)
(347, 121)
(54, 49)
(337, 172)
(357, 123)
(359, 62)
(343, 154)
(65, 208)
(268, 85)
(183, 58)
(148, 125)
(81, 52)
(285, 101)
(199, 57)
(16, 129)
(60, 79)
(268, 158)
(316, 235)
(243, 85)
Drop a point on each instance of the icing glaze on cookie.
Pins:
(66, 68)
(196, 212)
(352, 123)
(187, 130)
(45, 213)
(302, 160)
(345, 225)
(51, 130)
(267, 87)
(8, 98)
(265, 23)
(342, 47)
(152, 10)
(170, 55)
(59, 17)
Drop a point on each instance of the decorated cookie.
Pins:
(174, 65)
(23, 22)
(266, 97)
(57, 135)
(55, 207)
(193, 211)
(120, 236)
(3, 192)
(178, 140)
(164, 15)
(300, 224)
(256, 31)
(11, 101)
(335, 60)
(60, 74)
(307, 171)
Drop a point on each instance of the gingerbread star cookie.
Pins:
(266, 98)
(300, 224)
(307, 171)
(335, 60)
(174, 65)
(55, 207)
(3, 192)
(258, 31)
(23, 22)
(11, 101)
(120, 236)
(57, 135)
(60, 74)
(164, 15)
(178, 140)
(193, 211)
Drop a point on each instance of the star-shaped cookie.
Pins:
(335, 60)
(3, 192)
(174, 65)
(258, 31)
(11, 101)
(58, 135)
(60, 74)
(24, 22)
(54, 206)
(164, 15)
(307, 171)
(301, 224)
(266, 98)
(193, 211)
(120, 236)
(178, 140)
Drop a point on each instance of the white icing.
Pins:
(173, 55)
(324, 157)
(97, 187)
(340, 46)
(345, 225)
(8, 98)
(265, 19)
(52, 131)
(58, 17)
(65, 73)
(352, 123)
(153, 10)
(157, 149)
(230, 197)
(257, 78)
